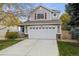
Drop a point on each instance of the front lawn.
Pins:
(68, 49)
(7, 43)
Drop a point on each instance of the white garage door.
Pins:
(42, 32)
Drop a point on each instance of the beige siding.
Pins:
(40, 10)
(50, 16)
(3, 31)
(55, 17)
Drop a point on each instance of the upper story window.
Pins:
(54, 14)
(40, 16)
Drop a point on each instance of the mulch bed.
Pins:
(69, 40)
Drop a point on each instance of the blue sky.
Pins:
(56, 6)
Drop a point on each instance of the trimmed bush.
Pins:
(12, 35)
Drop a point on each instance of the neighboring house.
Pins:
(5, 29)
(42, 24)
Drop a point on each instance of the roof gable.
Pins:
(50, 10)
(43, 7)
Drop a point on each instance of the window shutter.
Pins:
(35, 16)
(45, 15)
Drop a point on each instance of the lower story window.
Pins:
(46, 27)
(39, 27)
(49, 27)
(53, 27)
(36, 27)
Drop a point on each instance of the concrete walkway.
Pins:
(32, 47)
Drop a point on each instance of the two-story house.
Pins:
(42, 23)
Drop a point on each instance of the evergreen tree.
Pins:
(73, 10)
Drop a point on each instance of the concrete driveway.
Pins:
(32, 47)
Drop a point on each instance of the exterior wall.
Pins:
(3, 31)
(13, 29)
(59, 29)
(58, 35)
(50, 16)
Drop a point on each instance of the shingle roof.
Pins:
(47, 22)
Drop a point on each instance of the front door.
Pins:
(22, 29)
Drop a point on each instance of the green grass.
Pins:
(68, 49)
(6, 43)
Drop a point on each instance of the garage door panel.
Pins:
(42, 33)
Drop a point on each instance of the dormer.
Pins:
(42, 13)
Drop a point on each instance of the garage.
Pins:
(42, 32)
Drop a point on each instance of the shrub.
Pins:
(26, 35)
(12, 35)
(66, 35)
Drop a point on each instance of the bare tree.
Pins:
(20, 10)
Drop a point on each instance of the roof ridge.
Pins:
(51, 10)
